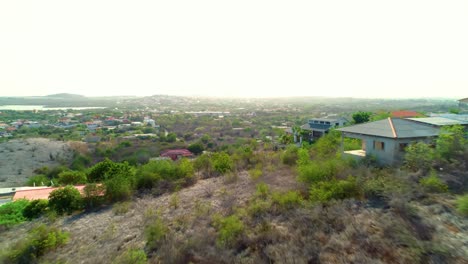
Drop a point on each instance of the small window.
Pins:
(337, 124)
(403, 146)
(327, 123)
(379, 145)
(321, 122)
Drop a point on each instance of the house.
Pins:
(318, 127)
(175, 154)
(405, 114)
(40, 193)
(463, 104)
(437, 121)
(387, 139)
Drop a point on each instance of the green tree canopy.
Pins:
(361, 117)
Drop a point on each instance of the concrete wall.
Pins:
(392, 153)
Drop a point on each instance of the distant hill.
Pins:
(66, 95)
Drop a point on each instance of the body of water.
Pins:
(44, 108)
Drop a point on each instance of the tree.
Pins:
(361, 117)
(451, 142)
(196, 148)
(65, 200)
(171, 137)
(108, 169)
(222, 162)
(72, 177)
(419, 156)
(203, 163)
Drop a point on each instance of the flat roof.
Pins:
(438, 121)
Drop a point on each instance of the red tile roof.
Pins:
(42, 193)
(175, 153)
(405, 114)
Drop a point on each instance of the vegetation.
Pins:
(65, 200)
(433, 183)
(229, 229)
(12, 213)
(462, 204)
(274, 203)
(41, 240)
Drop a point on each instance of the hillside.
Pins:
(348, 231)
(20, 157)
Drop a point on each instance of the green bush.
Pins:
(35, 208)
(258, 207)
(72, 178)
(38, 180)
(108, 169)
(287, 200)
(334, 189)
(222, 162)
(433, 183)
(132, 256)
(462, 204)
(289, 156)
(255, 173)
(93, 195)
(317, 171)
(262, 190)
(12, 213)
(155, 232)
(229, 229)
(419, 156)
(147, 179)
(41, 239)
(118, 188)
(65, 200)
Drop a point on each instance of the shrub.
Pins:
(287, 200)
(433, 183)
(317, 171)
(41, 239)
(121, 208)
(65, 200)
(118, 188)
(334, 189)
(451, 142)
(38, 180)
(93, 195)
(155, 232)
(289, 156)
(71, 177)
(258, 207)
(419, 156)
(132, 256)
(196, 148)
(222, 162)
(229, 229)
(147, 179)
(262, 190)
(462, 204)
(255, 173)
(12, 213)
(108, 169)
(35, 208)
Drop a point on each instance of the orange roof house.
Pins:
(175, 154)
(405, 114)
(43, 193)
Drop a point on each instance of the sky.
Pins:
(384, 49)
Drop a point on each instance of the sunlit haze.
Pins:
(235, 48)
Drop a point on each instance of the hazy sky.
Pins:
(235, 48)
